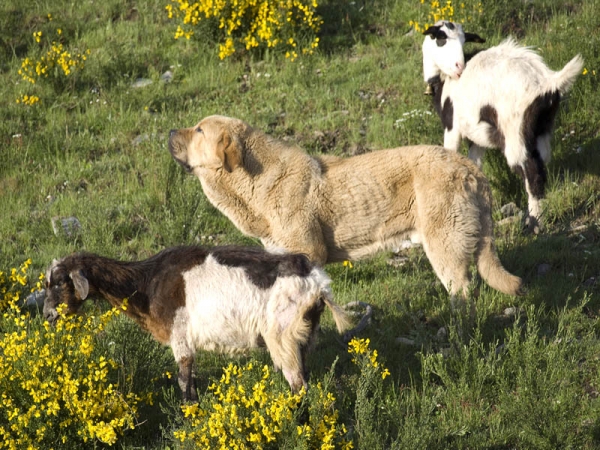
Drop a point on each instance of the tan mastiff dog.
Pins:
(334, 209)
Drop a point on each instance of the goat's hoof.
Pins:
(532, 225)
(192, 398)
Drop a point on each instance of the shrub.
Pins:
(369, 408)
(246, 409)
(55, 61)
(291, 25)
(465, 13)
(55, 388)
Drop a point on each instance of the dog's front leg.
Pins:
(307, 240)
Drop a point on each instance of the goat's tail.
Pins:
(341, 318)
(563, 80)
(488, 264)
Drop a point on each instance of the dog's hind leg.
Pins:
(451, 266)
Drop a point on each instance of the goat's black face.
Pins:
(60, 288)
(436, 32)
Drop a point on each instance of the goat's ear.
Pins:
(229, 151)
(472, 37)
(82, 287)
(55, 263)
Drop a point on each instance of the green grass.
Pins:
(96, 148)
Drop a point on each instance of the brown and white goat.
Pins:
(222, 298)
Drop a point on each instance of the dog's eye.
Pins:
(199, 130)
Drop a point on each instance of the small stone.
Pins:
(441, 334)
(510, 311)
(590, 282)
(357, 149)
(543, 269)
(141, 82)
(509, 210)
(397, 261)
(446, 352)
(36, 299)
(141, 138)
(167, 77)
(508, 221)
(70, 226)
(405, 341)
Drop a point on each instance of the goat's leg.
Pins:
(185, 378)
(184, 355)
(534, 172)
(532, 221)
(452, 139)
(544, 148)
(476, 154)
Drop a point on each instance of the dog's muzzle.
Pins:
(175, 148)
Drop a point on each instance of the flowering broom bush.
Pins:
(245, 409)
(55, 61)
(370, 396)
(54, 387)
(253, 24)
(464, 13)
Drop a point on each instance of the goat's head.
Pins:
(64, 286)
(443, 50)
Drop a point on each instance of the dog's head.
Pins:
(214, 143)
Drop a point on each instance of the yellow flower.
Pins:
(348, 264)
(50, 377)
(251, 23)
(358, 346)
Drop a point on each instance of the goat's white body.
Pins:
(508, 79)
(226, 312)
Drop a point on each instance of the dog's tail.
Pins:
(488, 264)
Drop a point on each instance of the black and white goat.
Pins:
(222, 298)
(505, 97)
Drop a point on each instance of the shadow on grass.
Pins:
(585, 160)
(558, 271)
(346, 23)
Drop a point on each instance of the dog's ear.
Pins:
(229, 151)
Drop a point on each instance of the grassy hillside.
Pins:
(94, 147)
